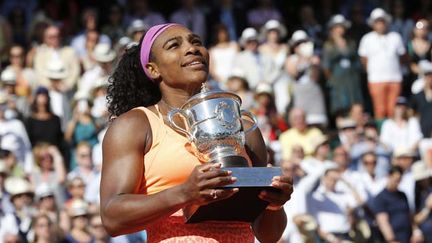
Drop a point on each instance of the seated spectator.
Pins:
(423, 187)
(76, 190)
(392, 210)
(25, 76)
(51, 49)
(50, 169)
(258, 68)
(85, 168)
(91, 40)
(422, 104)
(43, 125)
(401, 130)
(372, 183)
(79, 215)
(46, 204)
(298, 134)
(5, 203)
(331, 208)
(404, 158)
(97, 230)
(136, 30)
(318, 162)
(44, 229)
(17, 106)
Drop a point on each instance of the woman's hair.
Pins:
(40, 150)
(41, 91)
(129, 87)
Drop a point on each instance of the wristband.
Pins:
(274, 208)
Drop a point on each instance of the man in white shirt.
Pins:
(381, 53)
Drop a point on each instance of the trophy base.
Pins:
(232, 161)
(245, 205)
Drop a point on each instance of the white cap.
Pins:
(55, 69)
(298, 36)
(247, 35)
(103, 53)
(379, 13)
(8, 76)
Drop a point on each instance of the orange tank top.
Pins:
(169, 163)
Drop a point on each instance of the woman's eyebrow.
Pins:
(193, 36)
(171, 39)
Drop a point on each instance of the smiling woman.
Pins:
(149, 175)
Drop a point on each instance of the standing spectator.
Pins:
(401, 130)
(25, 77)
(298, 134)
(104, 57)
(341, 66)
(51, 49)
(303, 67)
(381, 53)
(222, 55)
(272, 33)
(139, 9)
(192, 17)
(422, 104)
(258, 68)
(43, 125)
(392, 210)
(264, 12)
(419, 47)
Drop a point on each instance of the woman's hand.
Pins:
(199, 189)
(278, 199)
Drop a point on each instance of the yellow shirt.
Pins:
(292, 137)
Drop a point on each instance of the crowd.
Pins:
(343, 99)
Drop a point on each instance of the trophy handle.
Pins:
(251, 116)
(170, 117)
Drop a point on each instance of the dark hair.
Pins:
(129, 87)
(395, 169)
(41, 91)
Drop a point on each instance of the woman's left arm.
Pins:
(269, 226)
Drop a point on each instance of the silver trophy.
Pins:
(213, 124)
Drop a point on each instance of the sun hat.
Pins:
(263, 88)
(8, 76)
(403, 152)
(274, 25)
(297, 37)
(55, 69)
(78, 207)
(248, 34)
(339, 19)
(137, 26)
(44, 190)
(379, 13)
(103, 53)
(17, 185)
(420, 171)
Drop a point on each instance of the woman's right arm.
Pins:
(124, 209)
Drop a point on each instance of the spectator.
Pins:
(104, 57)
(50, 170)
(91, 40)
(422, 104)
(419, 48)
(79, 215)
(238, 84)
(97, 230)
(423, 216)
(43, 125)
(298, 134)
(5, 203)
(303, 67)
(372, 183)
(392, 210)
(222, 55)
(51, 49)
(192, 17)
(316, 165)
(380, 53)
(331, 208)
(90, 22)
(76, 189)
(136, 30)
(114, 28)
(21, 197)
(25, 77)
(44, 229)
(139, 9)
(264, 12)
(258, 68)
(85, 168)
(341, 66)
(401, 130)
(404, 158)
(17, 106)
(272, 33)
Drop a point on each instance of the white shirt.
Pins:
(373, 186)
(329, 208)
(394, 136)
(222, 60)
(407, 186)
(89, 80)
(382, 52)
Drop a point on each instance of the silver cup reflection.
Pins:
(213, 124)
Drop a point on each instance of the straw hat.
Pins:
(103, 53)
(274, 25)
(297, 37)
(44, 190)
(420, 171)
(379, 13)
(248, 34)
(403, 152)
(55, 69)
(8, 76)
(17, 185)
(78, 207)
(339, 19)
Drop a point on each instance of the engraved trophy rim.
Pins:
(207, 95)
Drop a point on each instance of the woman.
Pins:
(43, 125)
(44, 230)
(273, 32)
(171, 68)
(341, 67)
(79, 215)
(419, 47)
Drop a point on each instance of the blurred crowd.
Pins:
(342, 92)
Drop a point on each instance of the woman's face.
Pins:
(399, 111)
(273, 36)
(16, 56)
(80, 222)
(46, 162)
(180, 59)
(338, 30)
(421, 29)
(41, 99)
(42, 228)
(223, 36)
